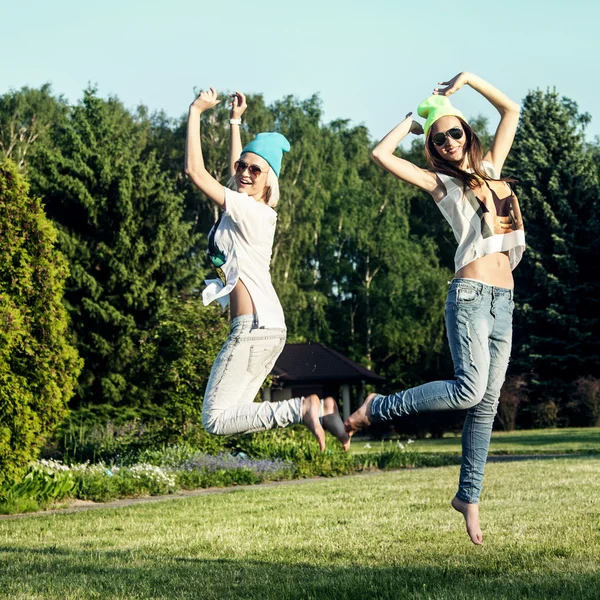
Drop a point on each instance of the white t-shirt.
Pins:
(476, 223)
(245, 236)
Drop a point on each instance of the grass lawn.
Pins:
(387, 535)
(536, 441)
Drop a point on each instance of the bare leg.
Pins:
(311, 409)
(332, 422)
(360, 418)
(471, 514)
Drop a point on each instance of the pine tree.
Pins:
(121, 229)
(557, 334)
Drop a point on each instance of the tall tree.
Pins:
(38, 364)
(344, 229)
(27, 117)
(167, 140)
(120, 226)
(310, 174)
(557, 336)
(389, 280)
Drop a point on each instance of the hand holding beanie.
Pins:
(270, 146)
(436, 107)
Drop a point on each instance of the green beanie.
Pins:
(436, 107)
(270, 146)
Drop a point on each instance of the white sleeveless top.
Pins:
(477, 224)
(245, 236)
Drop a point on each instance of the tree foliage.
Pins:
(27, 117)
(557, 334)
(177, 351)
(349, 267)
(38, 365)
(121, 228)
(361, 260)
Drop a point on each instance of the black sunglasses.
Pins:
(254, 170)
(439, 139)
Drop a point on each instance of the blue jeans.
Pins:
(479, 328)
(241, 367)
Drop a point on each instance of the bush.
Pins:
(279, 455)
(585, 402)
(45, 482)
(190, 480)
(195, 469)
(297, 445)
(122, 436)
(102, 483)
(176, 455)
(398, 455)
(38, 366)
(513, 394)
(177, 353)
(80, 441)
(545, 414)
(178, 467)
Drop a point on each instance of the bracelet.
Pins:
(235, 121)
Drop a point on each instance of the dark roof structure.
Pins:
(310, 363)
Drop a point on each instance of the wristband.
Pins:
(235, 121)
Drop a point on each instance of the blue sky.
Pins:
(371, 62)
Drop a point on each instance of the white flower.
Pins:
(154, 473)
(49, 467)
(97, 469)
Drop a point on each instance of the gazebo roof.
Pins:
(315, 362)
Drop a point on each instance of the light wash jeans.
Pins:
(479, 328)
(245, 360)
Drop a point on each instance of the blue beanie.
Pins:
(270, 146)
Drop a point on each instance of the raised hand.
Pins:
(415, 127)
(238, 105)
(452, 86)
(206, 100)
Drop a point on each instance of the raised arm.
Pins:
(509, 114)
(238, 106)
(194, 161)
(383, 155)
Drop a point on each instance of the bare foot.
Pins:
(332, 422)
(311, 408)
(471, 514)
(360, 418)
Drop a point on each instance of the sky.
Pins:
(370, 62)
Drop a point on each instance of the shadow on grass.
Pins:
(54, 572)
(532, 439)
(536, 457)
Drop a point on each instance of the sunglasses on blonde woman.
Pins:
(254, 170)
(439, 139)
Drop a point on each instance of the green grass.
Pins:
(387, 535)
(535, 441)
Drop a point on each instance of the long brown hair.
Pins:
(473, 151)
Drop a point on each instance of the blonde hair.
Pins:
(273, 189)
(272, 186)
